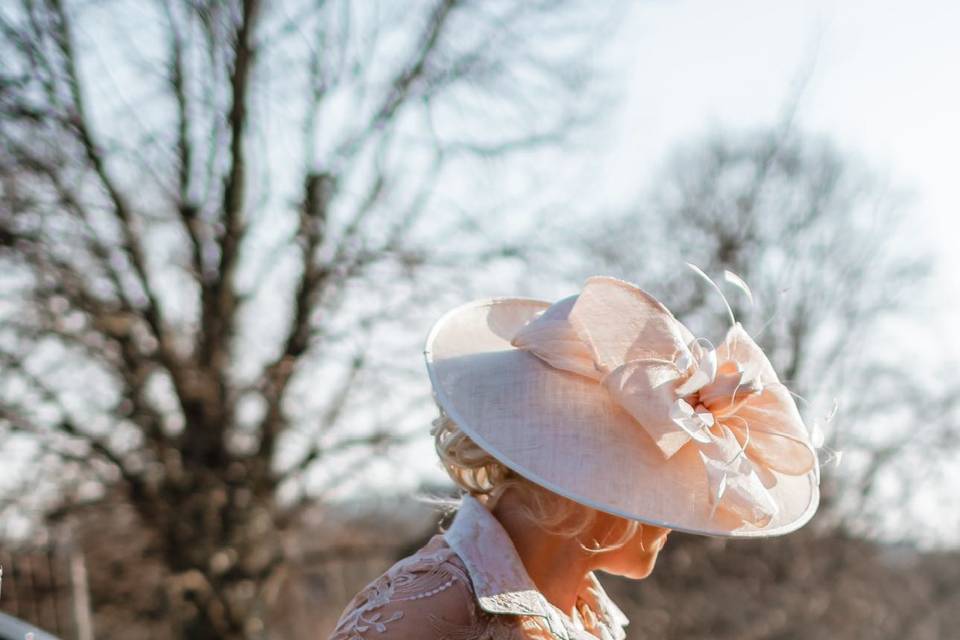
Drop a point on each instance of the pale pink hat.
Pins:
(607, 399)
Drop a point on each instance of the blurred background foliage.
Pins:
(226, 226)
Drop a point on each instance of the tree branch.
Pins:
(318, 192)
(401, 88)
(185, 206)
(122, 209)
(219, 309)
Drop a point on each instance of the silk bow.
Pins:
(726, 401)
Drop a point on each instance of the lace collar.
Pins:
(501, 583)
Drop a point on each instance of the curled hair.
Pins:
(481, 475)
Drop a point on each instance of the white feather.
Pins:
(738, 282)
(713, 284)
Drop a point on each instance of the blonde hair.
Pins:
(481, 475)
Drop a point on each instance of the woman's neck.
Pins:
(558, 566)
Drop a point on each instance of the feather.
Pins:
(738, 282)
(703, 275)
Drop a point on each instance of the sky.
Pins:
(879, 78)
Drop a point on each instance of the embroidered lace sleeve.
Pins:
(422, 597)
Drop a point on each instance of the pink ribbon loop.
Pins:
(727, 401)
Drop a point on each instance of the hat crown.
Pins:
(726, 401)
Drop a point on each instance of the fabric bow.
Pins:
(727, 401)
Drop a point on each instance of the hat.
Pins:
(607, 399)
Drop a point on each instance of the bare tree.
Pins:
(840, 295)
(211, 210)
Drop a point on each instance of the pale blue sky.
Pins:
(883, 84)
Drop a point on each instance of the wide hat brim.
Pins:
(563, 432)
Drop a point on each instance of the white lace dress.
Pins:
(469, 584)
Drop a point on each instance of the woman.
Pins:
(580, 434)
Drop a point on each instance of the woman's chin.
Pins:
(642, 573)
(638, 572)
